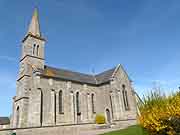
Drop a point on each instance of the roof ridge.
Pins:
(67, 74)
(114, 68)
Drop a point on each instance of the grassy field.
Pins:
(132, 130)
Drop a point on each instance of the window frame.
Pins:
(92, 102)
(61, 110)
(125, 98)
(78, 103)
(34, 48)
(37, 50)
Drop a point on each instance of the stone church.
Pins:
(48, 96)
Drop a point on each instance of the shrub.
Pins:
(100, 119)
(173, 123)
(160, 114)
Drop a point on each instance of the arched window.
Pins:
(73, 104)
(60, 102)
(125, 97)
(17, 117)
(127, 102)
(34, 47)
(55, 107)
(37, 51)
(77, 103)
(92, 100)
(111, 104)
(41, 107)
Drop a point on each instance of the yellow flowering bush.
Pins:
(160, 114)
(100, 119)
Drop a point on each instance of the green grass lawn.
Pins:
(132, 130)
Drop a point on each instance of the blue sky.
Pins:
(142, 35)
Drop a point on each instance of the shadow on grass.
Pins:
(132, 130)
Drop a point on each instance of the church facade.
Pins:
(48, 96)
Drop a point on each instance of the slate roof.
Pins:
(4, 121)
(64, 74)
(105, 76)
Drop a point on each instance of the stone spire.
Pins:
(34, 27)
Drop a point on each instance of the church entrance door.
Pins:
(108, 116)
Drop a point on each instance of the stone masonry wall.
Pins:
(50, 89)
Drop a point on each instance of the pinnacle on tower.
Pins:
(34, 27)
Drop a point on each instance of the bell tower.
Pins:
(32, 60)
(32, 47)
(32, 57)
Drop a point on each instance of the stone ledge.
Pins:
(80, 124)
